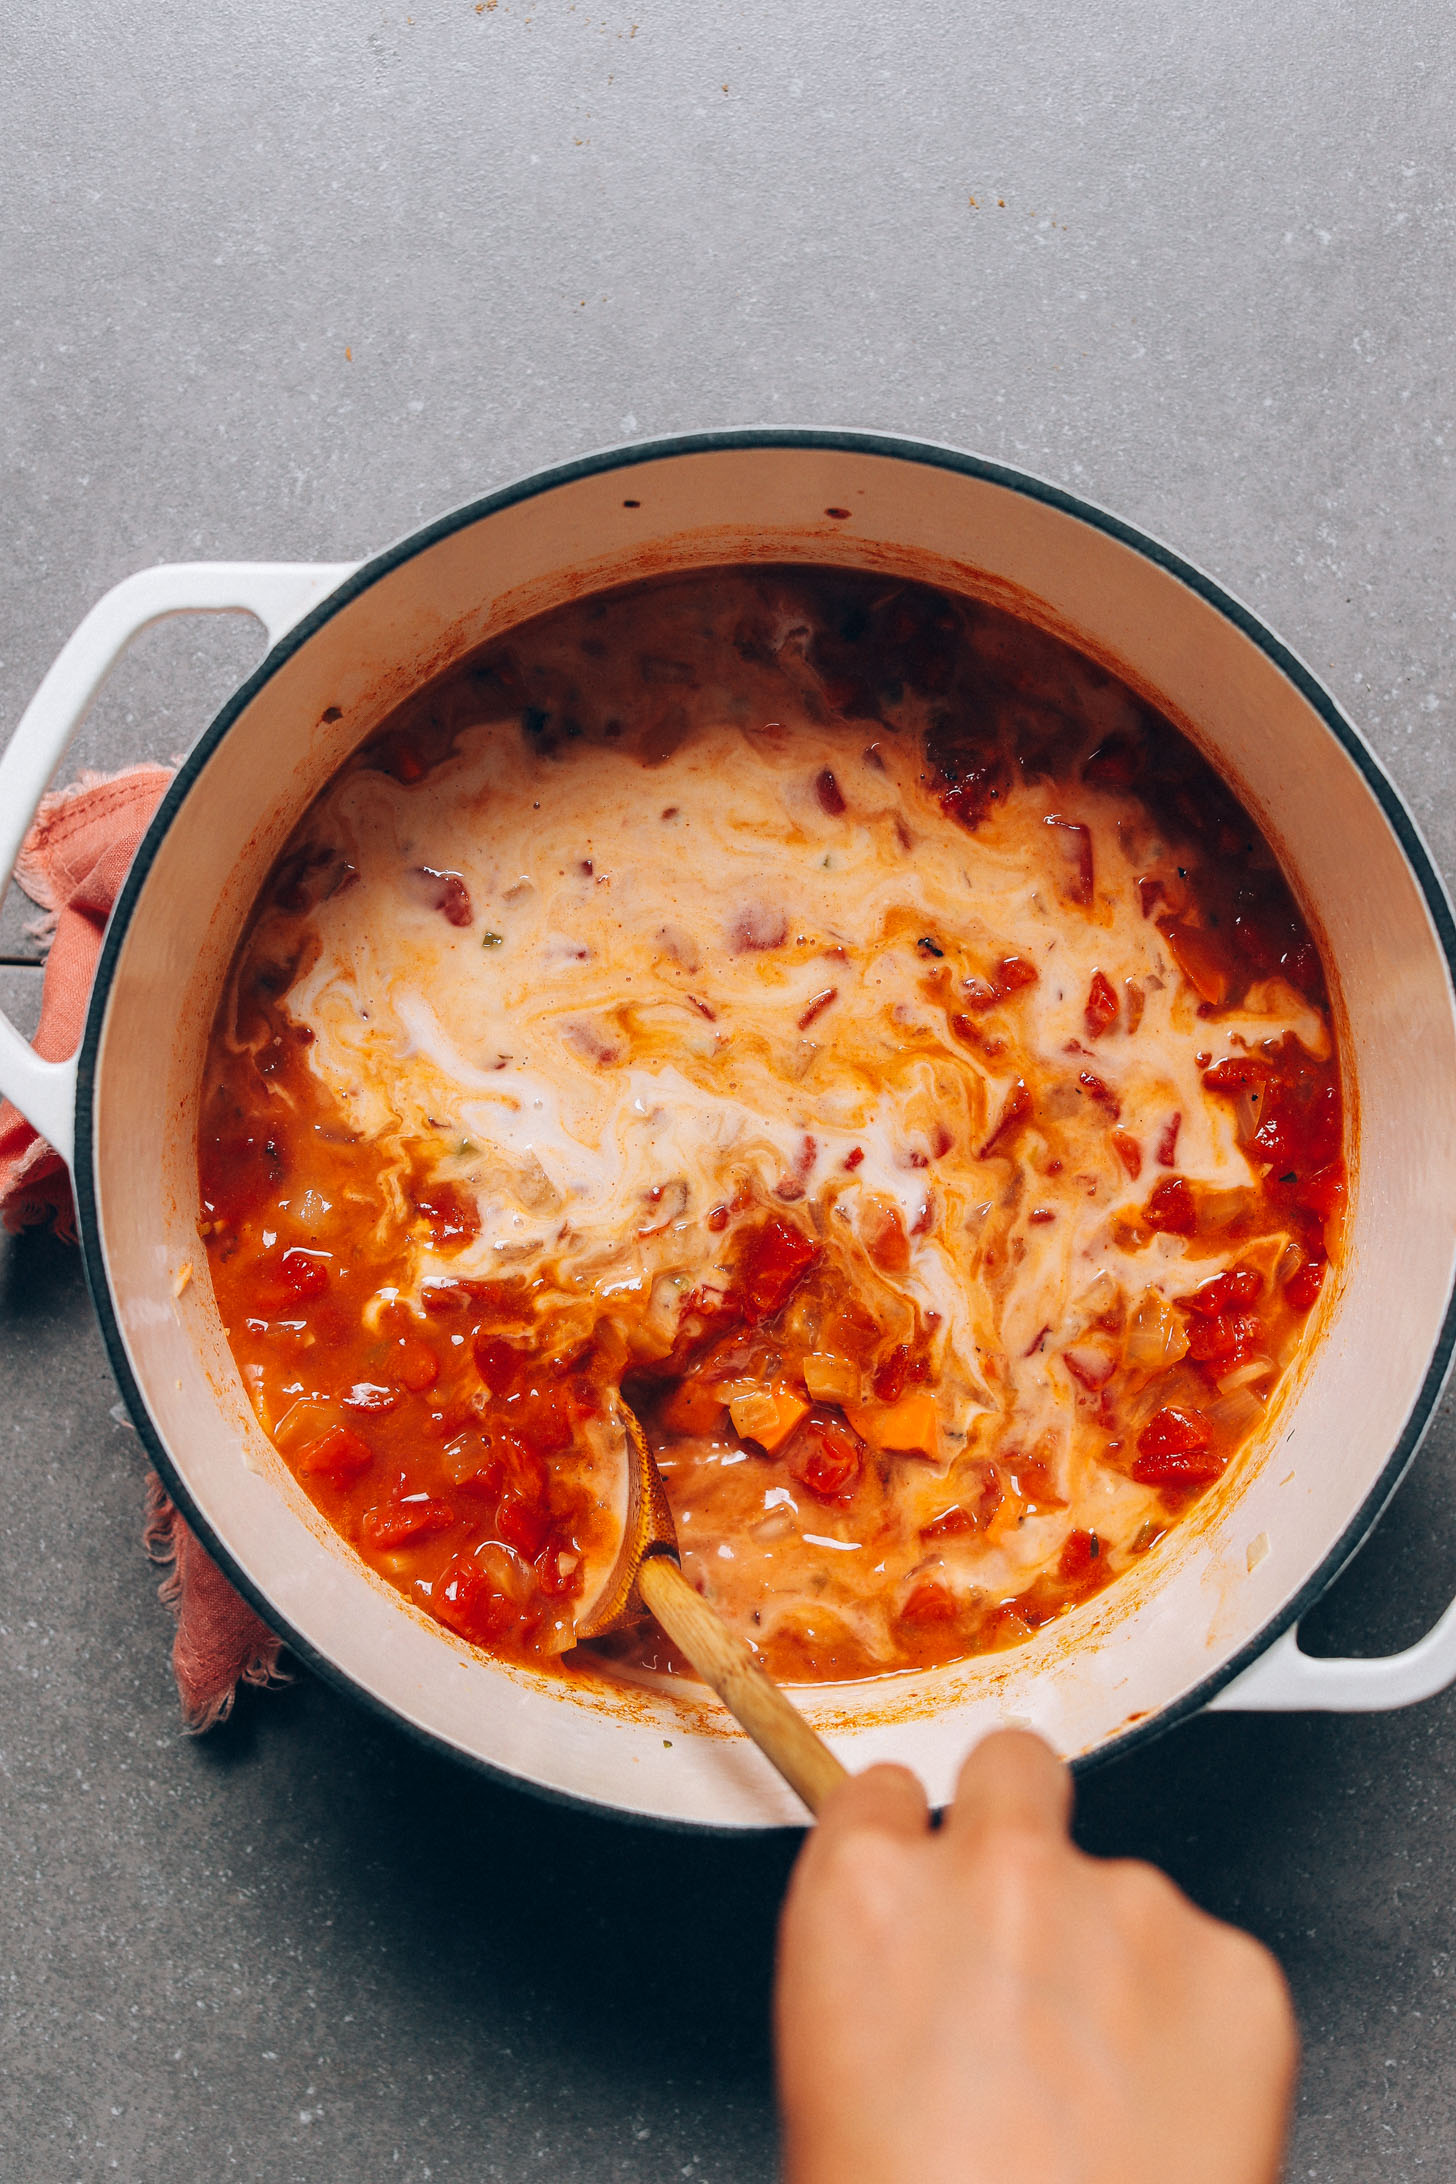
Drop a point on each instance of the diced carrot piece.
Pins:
(909, 1427)
(767, 1415)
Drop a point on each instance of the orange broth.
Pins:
(835, 1014)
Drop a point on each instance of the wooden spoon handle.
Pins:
(726, 1662)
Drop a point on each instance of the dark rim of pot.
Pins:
(1400, 821)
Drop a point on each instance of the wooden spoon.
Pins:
(648, 1575)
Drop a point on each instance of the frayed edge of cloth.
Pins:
(32, 872)
(206, 1685)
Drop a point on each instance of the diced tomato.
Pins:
(979, 994)
(1097, 1089)
(891, 1374)
(829, 793)
(523, 1525)
(337, 1454)
(1076, 844)
(240, 1170)
(826, 1458)
(1323, 1193)
(1225, 1339)
(930, 1602)
(1015, 1111)
(1174, 1432)
(488, 1473)
(496, 1362)
(547, 1421)
(471, 1604)
(1240, 1073)
(525, 1470)
(1175, 1448)
(1031, 1481)
(950, 1524)
(1167, 1150)
(817, 1006)
(304, 1273)
(967, 1517)
(1171, 1208)
(1014, 972)
(1304, 1284)
(778, 1258)
(449, 895)
(1101, 1011)
(452, 1217)
(1082, 1552)
(1129, 1152)
(414, 1364)
(1150, 894)
(968, 798)
(559, 1570)
(1090, 1366)
(405, 1517)
(1299, 1121)
(1237, 1285)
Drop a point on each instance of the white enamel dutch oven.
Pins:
(1210, 1620)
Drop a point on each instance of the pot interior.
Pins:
(1260, 1544)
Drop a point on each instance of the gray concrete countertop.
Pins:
(283, 280)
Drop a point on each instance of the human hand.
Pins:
(986, 2005)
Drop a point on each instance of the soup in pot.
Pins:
(834, 1014)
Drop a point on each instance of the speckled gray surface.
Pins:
(284, 279)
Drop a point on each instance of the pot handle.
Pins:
(278, 593)
(1286, 1680)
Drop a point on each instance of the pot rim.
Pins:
(850, 442)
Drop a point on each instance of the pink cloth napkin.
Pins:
(72, 865)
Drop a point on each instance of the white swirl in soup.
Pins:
(837, 1014)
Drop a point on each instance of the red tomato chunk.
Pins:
(1175, 1448)
(828, 1459)
(405, 1517)
(305, 1273)
(1101, 1009)
(338, 1454)
(471, 1604)
(778, 1259)
(1171, 1208)
(1239, 1285)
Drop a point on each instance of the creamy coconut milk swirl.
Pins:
(647, 929)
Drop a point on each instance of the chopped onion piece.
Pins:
(1155, 1337)
(1256, 1368)
(831, 1379)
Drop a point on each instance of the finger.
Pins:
(1012, 1780)
(887, 1798)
